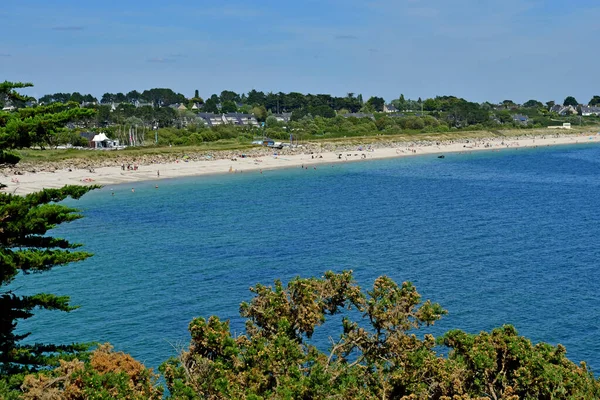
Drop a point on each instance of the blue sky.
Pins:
(478, 49)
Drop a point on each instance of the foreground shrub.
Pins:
(107, 375)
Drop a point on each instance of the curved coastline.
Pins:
(26, 179)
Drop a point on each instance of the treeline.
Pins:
(184, 128)
(288, 102)
(67, 97)
(296, 115)
(313, 128)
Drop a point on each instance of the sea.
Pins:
(495, 237)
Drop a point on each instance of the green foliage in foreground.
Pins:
(24, 248)
(104, 375)
(377, 356)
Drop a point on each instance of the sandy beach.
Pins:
(27, 182)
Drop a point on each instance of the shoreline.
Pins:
(24, 182)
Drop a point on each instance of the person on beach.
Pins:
(158, 173)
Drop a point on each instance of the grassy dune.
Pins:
(50, 155)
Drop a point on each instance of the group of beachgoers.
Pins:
(130, 167)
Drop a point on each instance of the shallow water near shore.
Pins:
(494, 237)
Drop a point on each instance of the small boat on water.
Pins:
(442, 156)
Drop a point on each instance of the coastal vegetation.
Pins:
(27, 127)
(25, 249)
(24, 246)
(36, 156)
(379, 352)
(162, 117)
(378, 355)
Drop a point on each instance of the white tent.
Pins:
(99, 138)
(102, 142)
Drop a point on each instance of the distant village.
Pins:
(236, 118)
(131, 118)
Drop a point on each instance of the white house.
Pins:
(587, 111)
(389, 108)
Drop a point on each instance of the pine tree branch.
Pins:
(32, 260)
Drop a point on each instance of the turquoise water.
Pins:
(495, 237)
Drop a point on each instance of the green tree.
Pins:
(376, 103)
(107, 98)
(368, 108)
(300, 114)
(8, 91)
(210, 106)
(533, 104)
(45, 99)
(570, 101)
(90, 99)
(274, 359)
(594, 101)
(401, 104)
(76, 97)
(228, 107)
(260, 112)
(350, 103)
(162, 97)
(148, 114)
(120, 98)
(256, 98)
(322, 111)
(28, 127)
(502, 364)
(245, 109)
(430, 105)
(105, 375)
(378, 354)
(271, 122)
(24, 248)
(509, 104)
(103, 115)
(550, 104)
(165, 116)
(55, 98)
(133, 96)
(228, 95)
(504, 116)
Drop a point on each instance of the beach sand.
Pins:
(30, 182)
